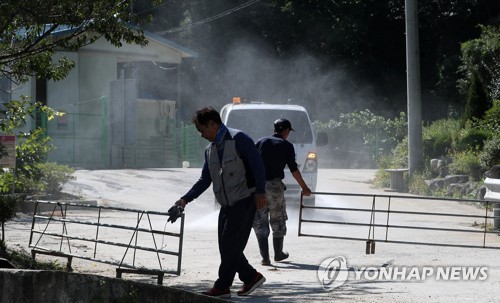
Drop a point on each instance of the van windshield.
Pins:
(259, 123)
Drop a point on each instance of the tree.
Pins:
(482, 56)
(8, 206)
(32, 30)
(335, 56)
(477, 100)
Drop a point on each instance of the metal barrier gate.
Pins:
(399, 219)
(115, 234)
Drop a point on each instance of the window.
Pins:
(258, 123)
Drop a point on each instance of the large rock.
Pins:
(435, 184)
(453, 189)
(434, 165)
(439, 167)
(493, 173)
(481, 191)
(451, 179)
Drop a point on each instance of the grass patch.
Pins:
(489, 226)
(21, 259)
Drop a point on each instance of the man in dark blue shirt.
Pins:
(276, 152)
(235, 169)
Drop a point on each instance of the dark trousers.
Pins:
(235, 225)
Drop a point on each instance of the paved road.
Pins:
(297, 280)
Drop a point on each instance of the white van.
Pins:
(257, 120)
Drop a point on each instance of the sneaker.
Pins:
(250, 287)
(218, 292)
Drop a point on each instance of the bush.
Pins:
(22, 259)
(438, 137)
(32, 147)
(471, 138)
(49, 180)
(382, 179)
(490, 155)
(364, 133)
(54, 176)
(400, 155)
(491, 120)
(477, 101)
(418, 186)
(8, 207)
(6, 181)
(466, 163)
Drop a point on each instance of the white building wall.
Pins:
(26, 90)
(96, 72)
(63, 96)
(84, 138)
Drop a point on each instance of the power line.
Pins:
(215, 17)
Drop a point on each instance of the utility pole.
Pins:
(415, 149)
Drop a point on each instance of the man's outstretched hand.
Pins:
(174, 213)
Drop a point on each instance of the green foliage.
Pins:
(8, 206)
(54, 176)
(352, 43)
(33, 31)
(382, 179)
(438, 137)
(22, 259)
(490, 155)
(491, 119)
(471, 137)
(16, 112)
(29, 185)
(50, 179)
(400, 155)
(445, 138)
(364, 132)
(32, 148)
(417, 185)
(32, 175)
(466, 162)
(41, 179)
(481, 60)
(477, 101)
(6, 181)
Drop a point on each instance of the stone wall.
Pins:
(61, 287)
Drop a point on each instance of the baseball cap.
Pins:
(282, 124)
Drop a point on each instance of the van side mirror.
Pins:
(322, 139)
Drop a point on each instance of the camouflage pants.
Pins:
(273, 214)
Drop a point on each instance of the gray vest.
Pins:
(228, 178)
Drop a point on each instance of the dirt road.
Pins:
(297, 280)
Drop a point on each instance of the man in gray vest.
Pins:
(235, 169)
